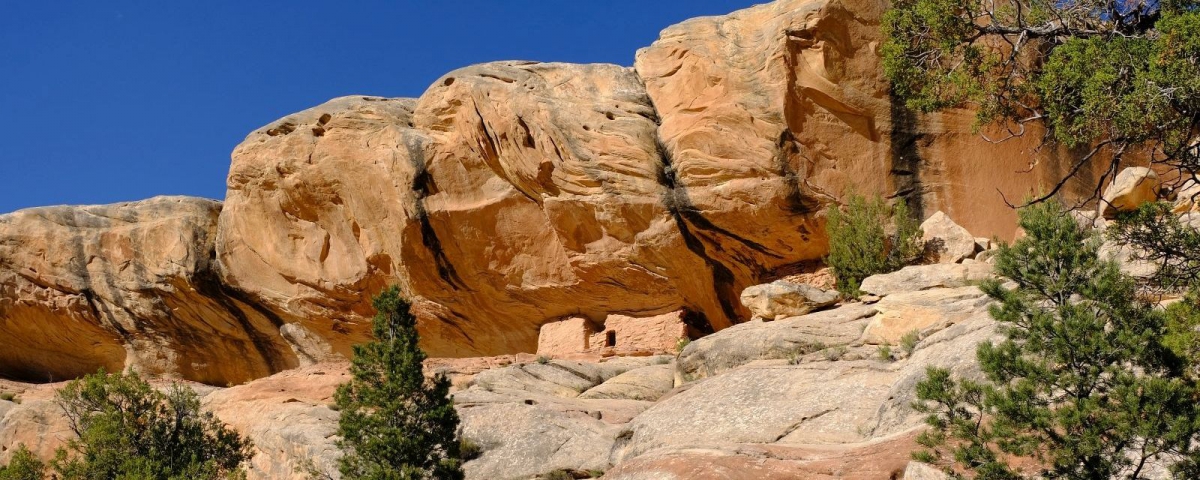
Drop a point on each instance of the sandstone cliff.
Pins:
(799, 397)
(509, 195)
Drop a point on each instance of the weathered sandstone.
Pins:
(510, 195)
(946, 241)
(923, 277)
(127, 285)
(781, 298)
(1129, 190)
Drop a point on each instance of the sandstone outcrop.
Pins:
(923, 277)
(761, 413)
(946, 241)
(510, 195)
(127, 285)
(1129, 190)
(781, 298)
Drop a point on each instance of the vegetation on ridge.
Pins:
(1085, 384)
(868, 238)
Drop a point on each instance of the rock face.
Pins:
(513, 194)
(752, 401)
(1129, 190)
(923, 277)
(780, 299)
(127, 285)
(946, 241)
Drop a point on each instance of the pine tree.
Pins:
(395, 424)
(1083, 385)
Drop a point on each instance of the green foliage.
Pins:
(128, 429)
(908, 342)
(835, 353)
(885, 352)
(1123, 74)
(469, 450)
(682, 343)
(1083, 383)
(8, 396)
(1160, 238)
(1183, 329)
(23, 466)
(558, 475)
(542, 359)
(395, 424)
(869, 238)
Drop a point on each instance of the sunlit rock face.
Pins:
(127, 285)
(511, 195)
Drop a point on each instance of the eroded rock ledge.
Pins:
(509, 195)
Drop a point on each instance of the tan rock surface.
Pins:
(781, 299)
(780, 339)
(512, 194)
(923, 277)
(923, 311)
(127, 285)
(771, 110)
(814, 402)
(509, 195)
(946, 241)
(875, 460)
(1129, 190)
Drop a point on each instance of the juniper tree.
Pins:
(23, 466)
(395, 424)
(1084, 385)
(128, 429)
(869, 238)
(1107, 76)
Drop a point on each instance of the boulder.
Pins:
(946, 241)
(781, 339)
(820, 402)
(1187, 196)
(923, 277)
(646, 384)
(1129, 190)
(923, 471)
(781, 298)
(873, 460)
(1128, 259)
(924, 312)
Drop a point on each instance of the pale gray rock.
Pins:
(646, 383)
(923, 311)
(924, 277)
(923, 471)
(750, 341)
(821, 402)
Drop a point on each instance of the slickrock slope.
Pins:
(131, 284)
(799, 397)
(510, 195)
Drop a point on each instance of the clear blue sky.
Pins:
(106, 101)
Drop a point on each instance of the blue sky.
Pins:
(107, 101)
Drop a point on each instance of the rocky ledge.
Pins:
(799, 397)
(508, 196)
